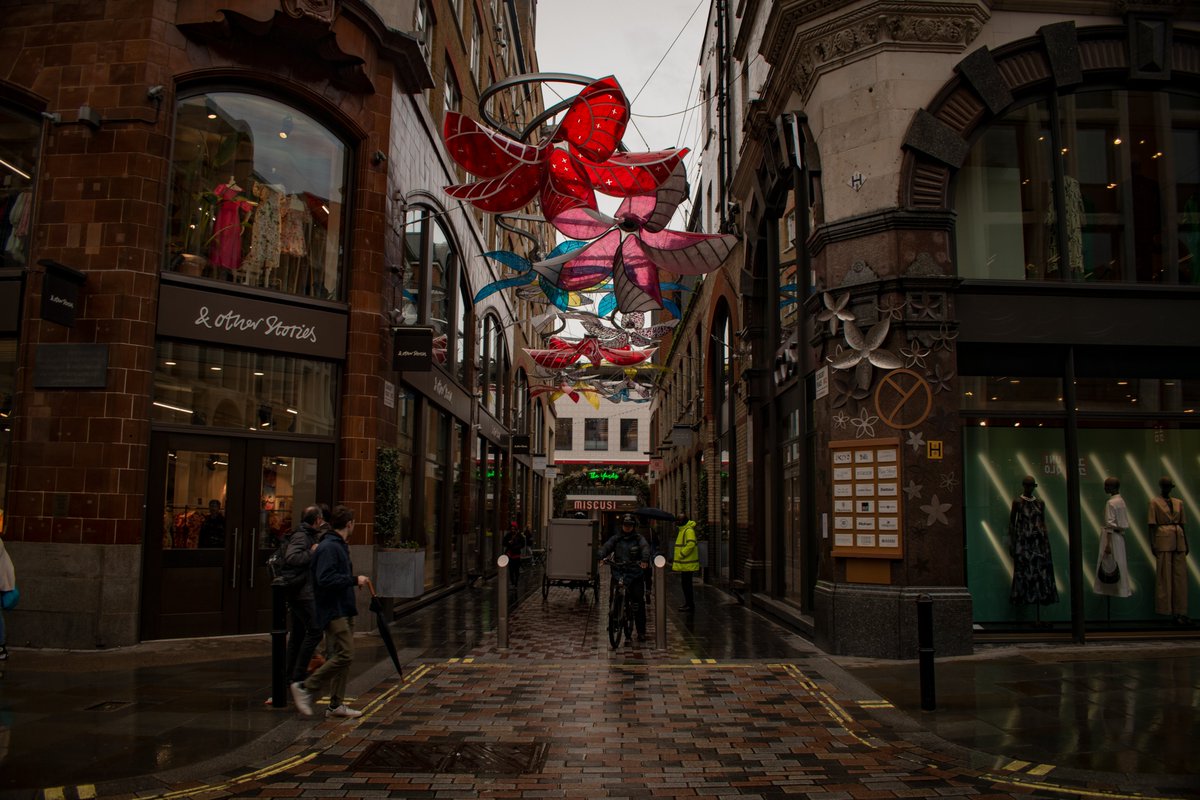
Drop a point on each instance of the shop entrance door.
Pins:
(216, 507)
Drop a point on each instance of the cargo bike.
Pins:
(571, 546)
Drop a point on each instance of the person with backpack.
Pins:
(296, 575)
(334, 583)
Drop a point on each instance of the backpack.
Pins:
(279, 569)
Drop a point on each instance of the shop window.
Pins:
(258, 195)
(18, 165)
(216, 387)
(595, 434)
(1128, 208)
(998, 459)
(8, 373)
(629, 435)
(564, 433)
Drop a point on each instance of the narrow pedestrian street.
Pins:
(735, 707)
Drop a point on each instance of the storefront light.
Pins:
(170, 407)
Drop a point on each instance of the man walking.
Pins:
(686, 559)
(334, 583)
(297, 577)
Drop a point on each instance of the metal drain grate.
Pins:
(470, 758)
(110, 705)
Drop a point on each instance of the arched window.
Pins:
(1128, 206)
(430, 289)
(258, 195)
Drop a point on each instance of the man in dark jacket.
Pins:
(631, 556)
(334, 583)
(297, 576)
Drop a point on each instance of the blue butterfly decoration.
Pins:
(560, 298)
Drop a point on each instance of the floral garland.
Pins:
(580, 481)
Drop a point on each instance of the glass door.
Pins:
(216, 507)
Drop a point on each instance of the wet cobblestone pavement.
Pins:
(735, 707)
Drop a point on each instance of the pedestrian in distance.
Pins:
(334, 583)
(686, 559)
(514, 547)
(297, 577)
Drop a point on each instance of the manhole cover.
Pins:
(110, 705)
(471, 758)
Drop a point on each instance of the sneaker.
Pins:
(343, 711)
(302, 699)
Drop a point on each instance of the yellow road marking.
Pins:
(1015, 765)
(1041, 769)
(53, 793)
(1074, 791)
(86, 791)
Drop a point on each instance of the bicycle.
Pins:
(620, 611)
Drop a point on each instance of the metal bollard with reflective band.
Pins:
(502, 602)
(660, 603)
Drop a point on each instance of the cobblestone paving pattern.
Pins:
(629, 724)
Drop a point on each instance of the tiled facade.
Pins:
(103, 83)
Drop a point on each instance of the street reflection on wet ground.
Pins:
(166, 707)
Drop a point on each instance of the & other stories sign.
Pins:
(246, 322)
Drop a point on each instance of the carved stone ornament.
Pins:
(320, 10)
(810, 46)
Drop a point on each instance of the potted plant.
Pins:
(399, 561)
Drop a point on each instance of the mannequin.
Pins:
(1169, 542)
(1112, 541)
(1033, 564)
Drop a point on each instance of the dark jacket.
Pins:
(297, 561)
(333, 579)
(628, 549)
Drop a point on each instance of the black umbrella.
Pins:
(649, 512)
(385, 633)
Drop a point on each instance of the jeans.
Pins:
(302, 639)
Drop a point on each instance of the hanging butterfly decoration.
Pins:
(563, 172)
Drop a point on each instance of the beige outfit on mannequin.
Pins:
(1170, 551)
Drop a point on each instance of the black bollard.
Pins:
(279, 683)
(925, 651)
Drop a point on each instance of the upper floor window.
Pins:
(595, 434)
(476, 46)
(520, 403)
(451, 95)
(421, 22)
(1127, 209)
(258, 195)
(629, 435)
(564, 428)
(18, 164)
(493, 367)
(423, 289)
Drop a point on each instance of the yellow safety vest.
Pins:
(687, 554)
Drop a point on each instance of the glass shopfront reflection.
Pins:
(258, 195)
(206, 386)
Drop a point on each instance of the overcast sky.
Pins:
(627, 38)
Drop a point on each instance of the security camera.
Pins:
(735, 208)
(156, 92)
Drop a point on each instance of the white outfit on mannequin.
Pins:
(1116, 522)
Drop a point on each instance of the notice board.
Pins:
(867, 509)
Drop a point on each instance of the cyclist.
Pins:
(630, 556)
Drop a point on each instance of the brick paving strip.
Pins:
(560, 716)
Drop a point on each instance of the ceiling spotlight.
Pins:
(286, 127)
